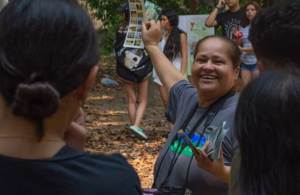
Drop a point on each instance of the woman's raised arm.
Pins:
(167, 73)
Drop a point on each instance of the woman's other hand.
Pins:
(75, 135)
(216, 167)
(151, 33)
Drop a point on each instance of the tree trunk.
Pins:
(193, 6)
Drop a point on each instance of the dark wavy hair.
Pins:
(275, 33)
(245, 20)
(47, 48)
(267, 128)
(127, 16)
(232, 48)
(172, 48)
(123, 26)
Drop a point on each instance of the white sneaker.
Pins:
(138, 132)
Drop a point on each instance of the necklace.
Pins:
(30, 137)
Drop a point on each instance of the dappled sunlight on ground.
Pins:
(108, 127)
(103, 97)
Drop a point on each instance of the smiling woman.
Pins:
(215, 69)
(197, 111)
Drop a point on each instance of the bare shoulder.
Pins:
(183, 36)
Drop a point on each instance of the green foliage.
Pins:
(106, 37)
(105, 10)
(181, 7)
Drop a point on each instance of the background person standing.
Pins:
(174, 46)
(227, 20)
(249, 68)
(133, 67)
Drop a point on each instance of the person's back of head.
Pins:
(47, 48)
(48, 57)
(274, 35)
(267, 126)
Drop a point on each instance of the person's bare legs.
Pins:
(131, 101)
(254, 74)
(239, 85)
(143, 99)
(165, 97)
(246, 76)
(136, 113)
(163, 94)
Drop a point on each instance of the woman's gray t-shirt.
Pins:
(182, 100)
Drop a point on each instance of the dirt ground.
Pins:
(108, 126)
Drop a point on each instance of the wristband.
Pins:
(238, 36)
(217, 7)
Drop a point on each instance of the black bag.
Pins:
(133, 65)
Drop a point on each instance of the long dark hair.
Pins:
(47, 48)
(172, 48)
(123, 27)
(245, 20)
(267, 128)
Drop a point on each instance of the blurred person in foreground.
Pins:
(267, 127)
(48, 57)
(274, 35)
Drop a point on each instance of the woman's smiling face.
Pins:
(213, 72)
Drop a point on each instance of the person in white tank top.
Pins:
(174, 46)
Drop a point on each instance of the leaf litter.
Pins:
(108, 124)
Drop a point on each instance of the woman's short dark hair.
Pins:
(275, 33)
(172, 48)
(232, 49)
(267, 128)
(47, 48)
(245, 20)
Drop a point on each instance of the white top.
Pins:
(248, 58)
(176, 62)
